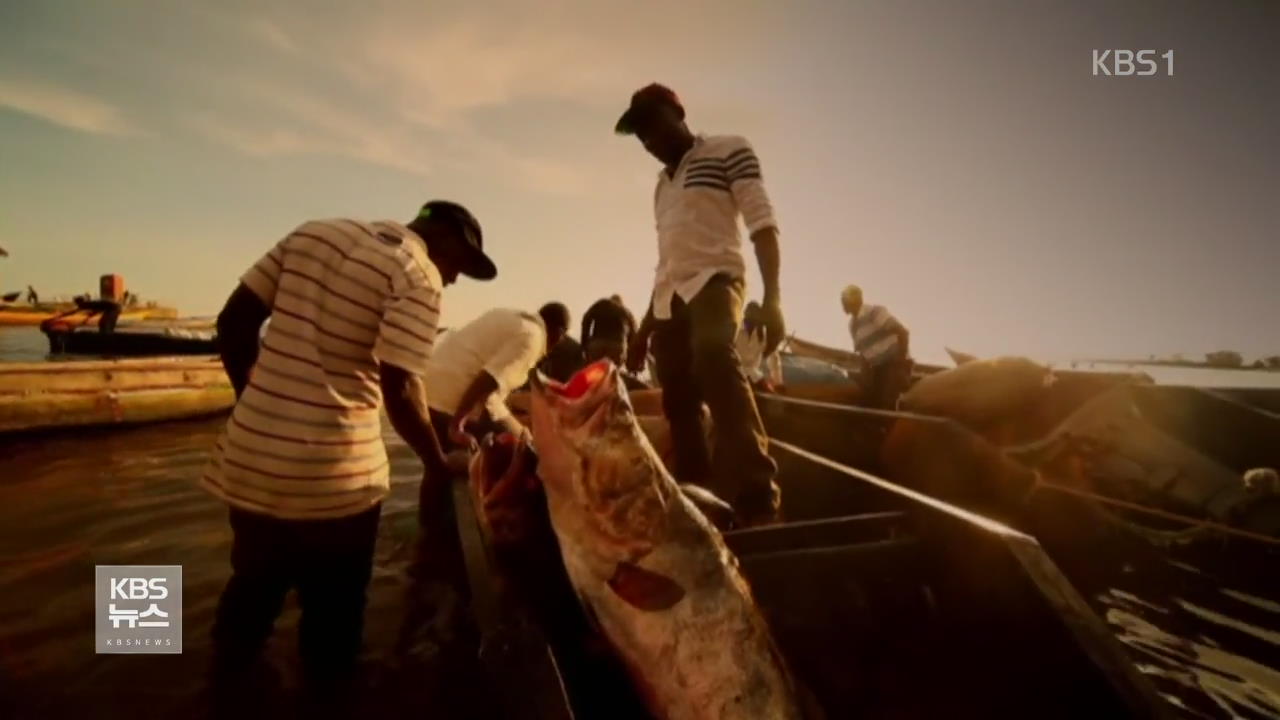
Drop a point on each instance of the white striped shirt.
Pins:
(304, 440)
(697, 212)
(875, 334)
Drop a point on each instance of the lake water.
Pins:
(129, 497)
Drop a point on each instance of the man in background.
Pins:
(607, 327)
(881, 343)
(354, 309)
(696, 307)
(564, 356)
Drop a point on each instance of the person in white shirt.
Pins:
(475, 367)
(881, 343)
(707, 184)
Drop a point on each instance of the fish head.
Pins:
(592, 451)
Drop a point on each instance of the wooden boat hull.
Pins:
(56, 395)
(127, 344)
(852, 600)
(24, 318)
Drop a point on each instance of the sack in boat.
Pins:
(979, 392)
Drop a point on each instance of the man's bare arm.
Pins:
(770, 259)
(239, 325)
(405, 398)
(475, 395)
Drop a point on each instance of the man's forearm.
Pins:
(475, 395)
(411, 417)
(239, 355)
(770, 259)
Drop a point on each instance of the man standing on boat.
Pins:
(706, 184)
(354, 310)
(881, 343)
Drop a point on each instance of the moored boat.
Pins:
(157, 338)
(29, 315)
(56, 395)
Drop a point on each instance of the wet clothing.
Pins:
(695, 362)
(328, 561)
(697, 212)
(305, 441)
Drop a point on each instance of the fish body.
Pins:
(650, 570)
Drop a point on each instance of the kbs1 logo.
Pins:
(1127, 62)
(138, 609)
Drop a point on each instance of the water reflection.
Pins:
(1196, 673)
(71, 502)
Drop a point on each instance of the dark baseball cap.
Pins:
(644, 102)
(475, 263)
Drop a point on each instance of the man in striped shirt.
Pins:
(353, 309)
(706, 184)
(881, 343)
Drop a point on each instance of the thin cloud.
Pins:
(63, 107)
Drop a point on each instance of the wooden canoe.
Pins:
(26, 315)
(875, 579)
(53, 395)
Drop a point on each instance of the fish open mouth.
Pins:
(582, 381)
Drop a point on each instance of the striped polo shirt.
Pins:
(697, 211)
(304, 440)
(874, 333)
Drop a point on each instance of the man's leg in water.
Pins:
(262, 574)
(741, 462)
(335, 564)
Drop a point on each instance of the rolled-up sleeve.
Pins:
(746, 183)
(407, 334)
(264, 277)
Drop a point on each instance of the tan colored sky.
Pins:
(956, 159)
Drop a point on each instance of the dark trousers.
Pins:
(887, 382)
(696, 361)
(329, 562)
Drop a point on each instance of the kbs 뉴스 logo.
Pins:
(138, 609)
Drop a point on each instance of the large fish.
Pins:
(650, 570)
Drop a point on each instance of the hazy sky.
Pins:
(957, 159)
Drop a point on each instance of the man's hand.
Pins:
(775, 327)
(459, 436)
